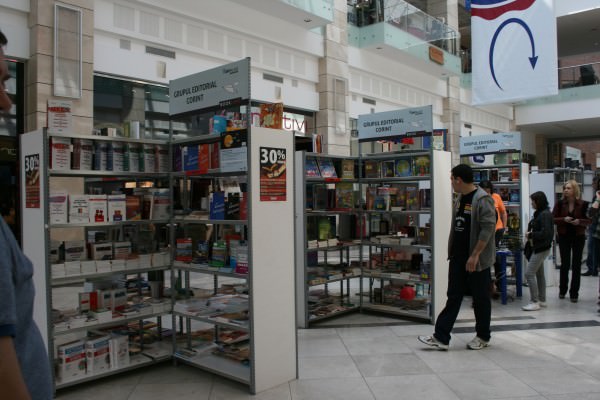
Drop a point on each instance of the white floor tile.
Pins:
(391, 365)
(491, 384)
(158, 391)
(331, 389)
(557, 380)
(410, 387)
(327, 367)
(382, 345)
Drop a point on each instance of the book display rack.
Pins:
(406, 198)
(328, 226)
(197, 227)
(101, 231)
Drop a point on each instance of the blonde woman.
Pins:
(570, 217)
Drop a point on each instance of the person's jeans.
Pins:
(571, 250)
(479, 285)
(536, 279)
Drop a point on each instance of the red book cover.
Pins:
(203, 158)
(214, 155)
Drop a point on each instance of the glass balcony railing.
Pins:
(408, 18)
(579, 75)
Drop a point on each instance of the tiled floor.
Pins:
(552, 354)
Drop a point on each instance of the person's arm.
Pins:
(584, 220)
(474, 257)
(487, 221)
(11, 381)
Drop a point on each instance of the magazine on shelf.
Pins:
(312, 168)
(327, 168)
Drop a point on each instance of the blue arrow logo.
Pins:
(532, 60)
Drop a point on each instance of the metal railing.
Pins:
(406, 17)
(579, 75)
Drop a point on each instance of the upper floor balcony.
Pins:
(402, 31)
(307, 13)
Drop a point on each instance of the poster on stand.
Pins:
(32, 181)
(273, 174)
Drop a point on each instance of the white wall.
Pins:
(564, 7)
(559, 111)
(14, 24)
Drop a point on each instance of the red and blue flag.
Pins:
(492, 9)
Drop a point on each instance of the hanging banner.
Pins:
(509, 142)
(225, 85)
(273, 176)
(514, 50)
(410, 122)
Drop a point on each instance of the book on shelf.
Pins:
(97, 208)
(326, 167)
(388, 169)
(79, 209)
(217, 205)
(516, 174)
(372, 169)
(504, 194)
(233, 153)
(71, 361)
(190, 157)
(82, 157)
(100, 155)
(320, 197)
(116, 207)
(203, 158)
(397, 198)
(184, 249)
(344, 195)
(117, 155)
(161, 203)
(422, 166)
(131, 157)
(147, 205)
(403, 167)
(348, 168)
(133, 208)
(412, 197)
(425, 198)
(371, 194)
(60, 153)
(493, 175)
(149, 158)
(58, 207)
(312, 168)
(97, 351)
(514, 195)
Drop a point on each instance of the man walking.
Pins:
(471, 252)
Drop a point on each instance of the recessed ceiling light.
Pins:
(307, 20)
(379, 48)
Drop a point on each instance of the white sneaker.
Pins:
(433, 342)
(477, 343)
(543, 304)
(531, 307)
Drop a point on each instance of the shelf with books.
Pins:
(205, 268)
(90, 224)
(406, 194)
(328, 228)
(223, 322)
(135, 361)
(248, 173)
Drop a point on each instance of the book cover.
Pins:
(132, 157)
(97, 354)
(121, 250)
(312, 169)
(147, 205)
(403, 167)
(388, 169)
(177, 158)
(109, 156)
(79, 209)
(412, 197)
(184, 249)
(320, 197)
(422, 166)
(60, 153)
(190, 157)
(217, 205)
(370, 197)
(372, 169)
(71, 361)
(203, 158)
(326, 167)
(233, 154)
(161, 204)
(116, 207)
(493, 175)
(133, 208)
(344, 195)
(58, 206)
(348, 169)
(214, 156)
(119, 351)
(271, 115)
(118, 156)
(100, 155)
(425, 198)
(86, 154)
(97, 208)
(149, 158)
(161, 155)
(232, 206)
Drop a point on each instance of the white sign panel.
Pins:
(490, 144)
(573, 153)
(60, 116)
(514, 50)
(229, 83)
(416, 121)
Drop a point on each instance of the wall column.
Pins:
(332, 118)
(39, 87)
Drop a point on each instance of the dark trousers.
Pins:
(592, 260)
(459, 281)
(571, 250)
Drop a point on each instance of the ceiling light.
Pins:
(307, 20)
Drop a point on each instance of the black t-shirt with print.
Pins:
(462, 227)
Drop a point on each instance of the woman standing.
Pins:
(539, 235)
(570, 217)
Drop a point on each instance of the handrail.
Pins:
(408, 18)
